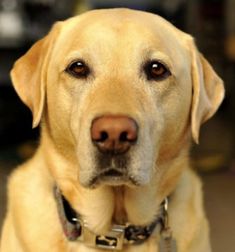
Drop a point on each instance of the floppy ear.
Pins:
(29, 74)
(208, 91)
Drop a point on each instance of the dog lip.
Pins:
(113, 177)
(108, 175)
(112, 173)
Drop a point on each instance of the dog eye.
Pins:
(78, 69)
(155, 70)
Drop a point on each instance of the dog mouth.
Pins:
(112, 170)
(113, 177)
(112, 173)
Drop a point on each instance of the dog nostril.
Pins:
(123, 137)
(126, 136)
(103, 136)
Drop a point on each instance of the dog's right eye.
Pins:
(78, 69)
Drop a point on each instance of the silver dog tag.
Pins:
(167, 242)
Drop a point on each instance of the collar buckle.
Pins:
(113, 240)
(76, 229)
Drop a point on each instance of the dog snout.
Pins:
(114, 134)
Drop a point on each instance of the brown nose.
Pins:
(114, 134)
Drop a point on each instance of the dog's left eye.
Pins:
(155, 70)
(78, 69)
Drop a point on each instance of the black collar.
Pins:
(75, 228)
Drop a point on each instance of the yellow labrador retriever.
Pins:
(119, 94)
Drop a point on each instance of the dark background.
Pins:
(211, 22)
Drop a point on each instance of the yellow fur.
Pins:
(115, 44)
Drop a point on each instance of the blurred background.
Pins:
(211, 22)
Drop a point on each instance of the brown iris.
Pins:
(155, 70)
(78, 69)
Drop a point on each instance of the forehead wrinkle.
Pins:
(108, 40)
(113, 37)
(90, 42)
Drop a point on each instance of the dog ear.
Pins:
(29, 74)
(208, 91)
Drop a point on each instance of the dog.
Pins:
(119, 94)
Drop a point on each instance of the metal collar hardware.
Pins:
(113, 240)
(76, 229)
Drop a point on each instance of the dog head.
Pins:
(120, 90)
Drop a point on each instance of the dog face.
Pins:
(119, 91)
